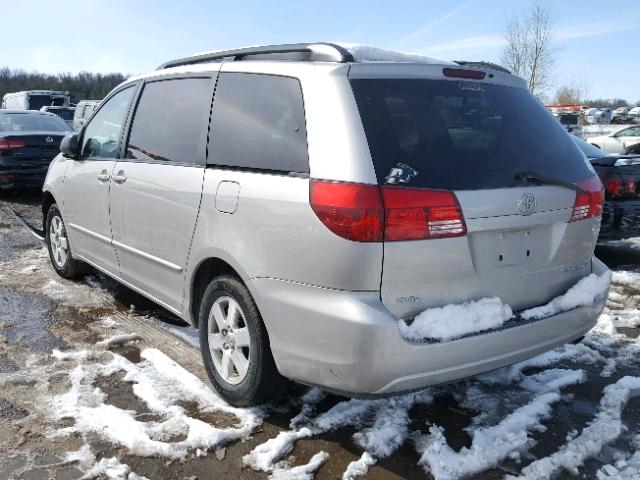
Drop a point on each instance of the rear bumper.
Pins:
(32, 176)
(348, 342)
(620, 220)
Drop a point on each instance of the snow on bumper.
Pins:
(348, 341)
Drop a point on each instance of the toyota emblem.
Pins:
(48, 139)
(527, 204)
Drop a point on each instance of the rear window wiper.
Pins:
(530, 176)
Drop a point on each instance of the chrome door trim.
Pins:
(90, 233)
(148, 256)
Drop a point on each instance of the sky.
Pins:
(597, 41)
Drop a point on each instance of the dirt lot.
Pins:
(97, 382)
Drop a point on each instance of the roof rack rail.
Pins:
(490, 65)
(320, 51)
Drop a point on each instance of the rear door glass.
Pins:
(461, 135)
(258, 123)
(171, 122)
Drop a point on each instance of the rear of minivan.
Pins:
(477, 192)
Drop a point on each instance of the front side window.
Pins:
(102, 135)
(259, 123)
(171, 122)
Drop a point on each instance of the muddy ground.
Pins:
(41, 314)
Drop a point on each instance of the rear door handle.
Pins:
(104, 176)
(120, 177)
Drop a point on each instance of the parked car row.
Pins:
(298, 212)
(56, 102)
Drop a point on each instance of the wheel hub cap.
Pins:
(229, 340)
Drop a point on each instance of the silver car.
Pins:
(298, 204)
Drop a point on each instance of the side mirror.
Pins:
(70, 145)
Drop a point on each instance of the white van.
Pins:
(35, 99)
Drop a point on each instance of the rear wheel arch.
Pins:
(47, 201)
(206, 271)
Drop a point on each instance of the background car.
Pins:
(83, 111)
(618, 141)
(620, 175)
(65, 113)
(29, 140)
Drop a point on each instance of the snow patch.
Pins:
(301, 472)
(493, 444)
(368, 53)
(161, 384)
(604, 429)
(582, 294)
(454, 321)
(359, 467)
(118, 340)
(264, 456)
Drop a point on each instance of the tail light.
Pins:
(462, 73)
(350, 210)
(369, 213)
(589, 199)
(416, 214)
(616, 186)
(613, 185)
(10, 144)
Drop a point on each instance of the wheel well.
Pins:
(47, 201)
(207, 270)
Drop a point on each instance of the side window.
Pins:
(629, 132)
(102, 134)
(258, 122)
(171, 121)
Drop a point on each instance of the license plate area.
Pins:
(515, 247)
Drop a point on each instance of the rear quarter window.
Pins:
(461, 135)
(258, 123)
(171, 122)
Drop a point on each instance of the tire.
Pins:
(225, 337)
(59, 247)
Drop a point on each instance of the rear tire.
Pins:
(235, 345)
(59, 247)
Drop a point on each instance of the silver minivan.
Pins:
(302, 205)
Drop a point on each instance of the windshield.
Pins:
(461, 135)
(30, 122)
(589, 150)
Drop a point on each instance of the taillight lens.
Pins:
(415, 214)
(368, 213)
(9, 144)
(613, 185)
(351, 210)
(589, 199)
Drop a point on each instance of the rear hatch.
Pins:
(479, 185)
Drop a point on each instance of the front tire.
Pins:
(58, 245)
(235, 345)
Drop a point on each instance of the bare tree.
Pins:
(529, 52)
(573, 94)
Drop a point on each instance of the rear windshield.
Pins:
(461, 135)
(65, 114)
(30, 122)
(36, 102)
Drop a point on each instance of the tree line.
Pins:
(81, 86)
